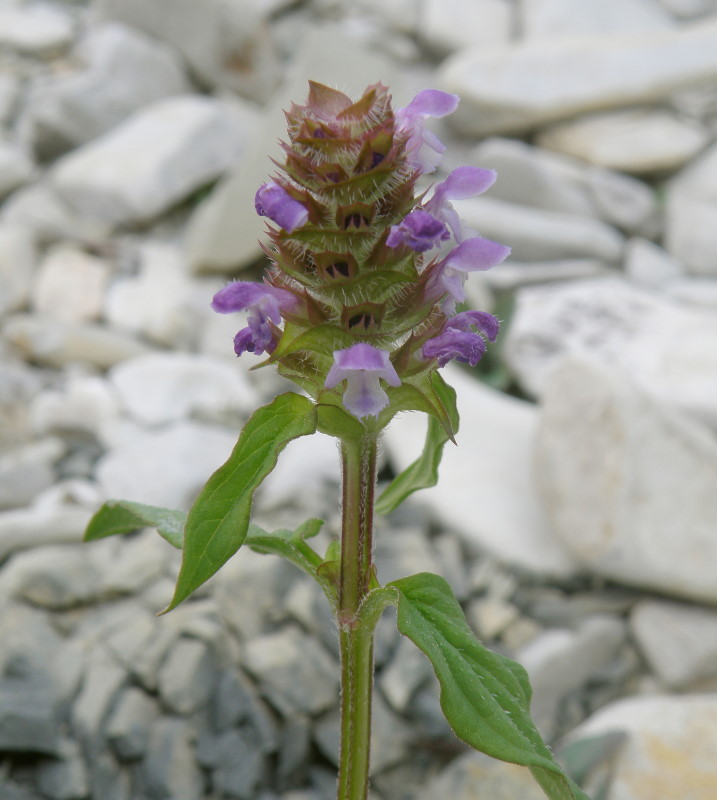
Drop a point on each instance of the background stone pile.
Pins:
(577, 519)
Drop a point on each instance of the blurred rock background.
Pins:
(577, 518)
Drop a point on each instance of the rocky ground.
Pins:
(577, 518)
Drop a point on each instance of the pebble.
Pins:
(104, 680)
(535, 176)
(539, 235)
(689, 9)
(67, 777)
(225, 44)
(485, 23)
(28, 470)
(130, 722)
(35, 30)
(162, 302)
(170, 768)
(649, 265)
(624, 327)
(679, 641)
(695, 291)
(8, 95)
(669, 749)
(486, 489)
(691, 213)
(512, 275)
(184, 454)
(123, 71)
(514, 89)
(638, 141)
(294, 674)
(161, 388)
(17, 267)
(186, 677)
(37, 526)
(550, 19)
(560, 661)
(70, 284)
(237, 765)
(152, 161)
(54, 343)
(16, 168)
(606, 455)
(405, 673)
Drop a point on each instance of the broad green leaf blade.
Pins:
(120, 516)
(422, 474)
(218, 521)
(484, 696)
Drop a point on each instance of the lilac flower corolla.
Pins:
(458, 341)
(424, 148)
(470, 256)
(264, 305)
(362, 365)
(460, 184)
(273, 201)
(419, 230)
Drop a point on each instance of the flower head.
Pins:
(419, 230)
(264, 305)
(275, 202)
(458, 341)
(424, 148)
(362, 365)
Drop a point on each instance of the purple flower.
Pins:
(264, 305)
(459, 342)
(423, 148)
(419, 230)
(362, 365)
(275, 202)
(463, 182)
(470, 256)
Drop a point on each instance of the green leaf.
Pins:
(120, 516)
(334, 421)
(484, 696)
(421, 474)
(218, 521)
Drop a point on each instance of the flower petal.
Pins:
(464, 346)
(476, 254)
(431, 103)
(274, 202)
(419, 230)
(485, 323)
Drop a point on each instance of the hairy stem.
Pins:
(356, 640)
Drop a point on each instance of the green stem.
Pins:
(356, 640)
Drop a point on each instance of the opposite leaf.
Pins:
(120, 516)
(218, 521)
(484, 696)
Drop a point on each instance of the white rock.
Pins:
(648, 264)
(638, 141)
(517, 88)
(688, 9)
(537, 177)
(678, 641)
(16, 168)
(621, 326)
(403, 15)
(486, 489)
(39, 209)
(538, 235)
(224, 232)
(17, 267)
(152, 161)
(40, 525)
(629, 485)
(166, 387)
(559, 661)
(8, 95)
(166, 467)
(55, 344)
(162, 302)
(695, 291)
(35, 29)
(85, 403)
(25, 471)
(225, 42)
(449, 25)
(691, 217)
(669, 750)
(544, 19)
(125, 71)
(514, 274)
(70, 285)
